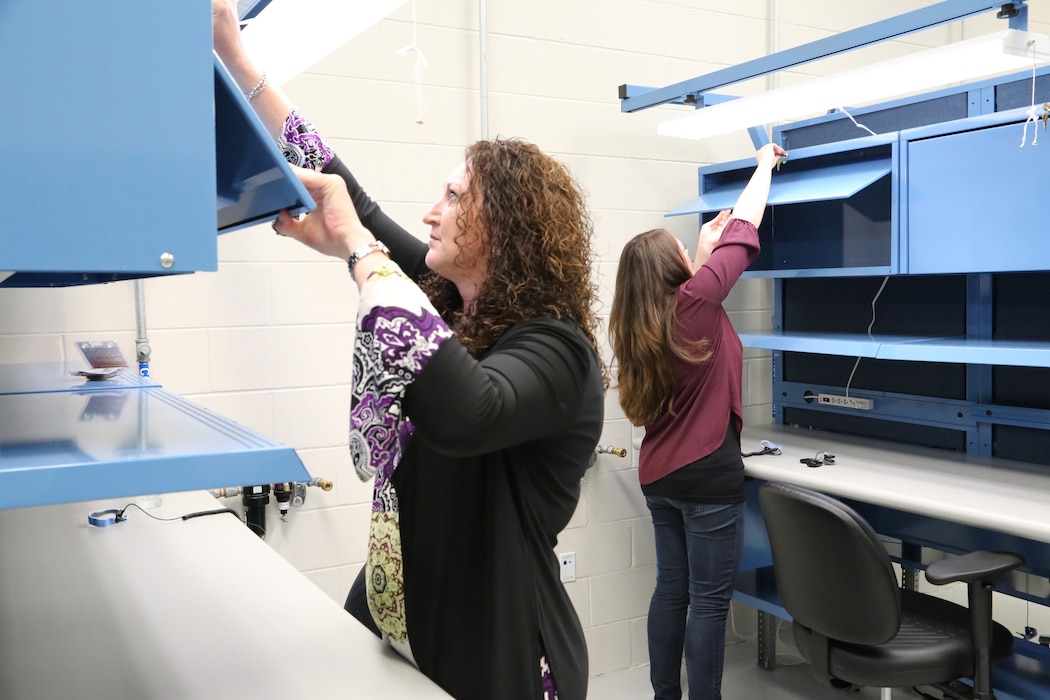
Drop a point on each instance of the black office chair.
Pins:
(852, 621)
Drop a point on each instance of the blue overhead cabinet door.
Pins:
(831, 209)
(253, 180)
(977, 200)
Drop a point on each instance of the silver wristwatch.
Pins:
(364, 250)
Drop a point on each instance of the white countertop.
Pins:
(1000, 495)
(182, 610)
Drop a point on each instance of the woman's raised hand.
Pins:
(333, 228)
(226, 29)
(769, 154)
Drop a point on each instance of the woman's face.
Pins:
(444, 221)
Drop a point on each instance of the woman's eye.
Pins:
(452, 196)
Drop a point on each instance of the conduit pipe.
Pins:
(483, 55)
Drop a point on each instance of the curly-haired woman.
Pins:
(477, 400)
(679, 375)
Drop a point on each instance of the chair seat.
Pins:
(933, 644)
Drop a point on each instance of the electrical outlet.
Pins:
(846, 401)
(568, 567)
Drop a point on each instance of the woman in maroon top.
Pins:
(680, 364)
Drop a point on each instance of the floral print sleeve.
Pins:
(398, 333)
(302, 145)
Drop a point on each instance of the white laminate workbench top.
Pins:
(180, 610)
(999, 495)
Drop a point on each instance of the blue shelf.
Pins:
(955, 350)
(68, 442)
(796, 273)
(43, 377)
(820, 343)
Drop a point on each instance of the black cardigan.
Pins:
(490, 477)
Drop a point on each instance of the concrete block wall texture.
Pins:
(267, 339)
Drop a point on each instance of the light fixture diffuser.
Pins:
(988, 55)
(289, 36)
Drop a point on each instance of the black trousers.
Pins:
(357, 604)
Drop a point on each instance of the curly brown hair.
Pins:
(528, 217)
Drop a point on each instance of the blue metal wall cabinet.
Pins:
(111, 161)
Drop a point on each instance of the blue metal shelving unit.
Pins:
(948, 209)
(131, 149)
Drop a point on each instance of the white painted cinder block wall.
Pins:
(266, 340)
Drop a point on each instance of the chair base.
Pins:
(955, 690)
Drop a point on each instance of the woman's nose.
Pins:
(432, 216)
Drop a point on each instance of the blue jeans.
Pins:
(697, 552)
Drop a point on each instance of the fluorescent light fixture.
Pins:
(289, 36)
(992, 54)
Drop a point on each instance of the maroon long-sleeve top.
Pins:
(709, 394)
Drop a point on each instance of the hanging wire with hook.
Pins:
(1032, 117)
(421, 62)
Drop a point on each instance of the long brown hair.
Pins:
(642, 325)
(528, 216)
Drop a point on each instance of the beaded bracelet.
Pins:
(259, 87)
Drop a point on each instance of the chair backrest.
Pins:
(833, 574)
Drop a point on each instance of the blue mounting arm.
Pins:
(633, 99)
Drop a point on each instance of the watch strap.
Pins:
(366, 249)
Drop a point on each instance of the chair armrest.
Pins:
(979, 565)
